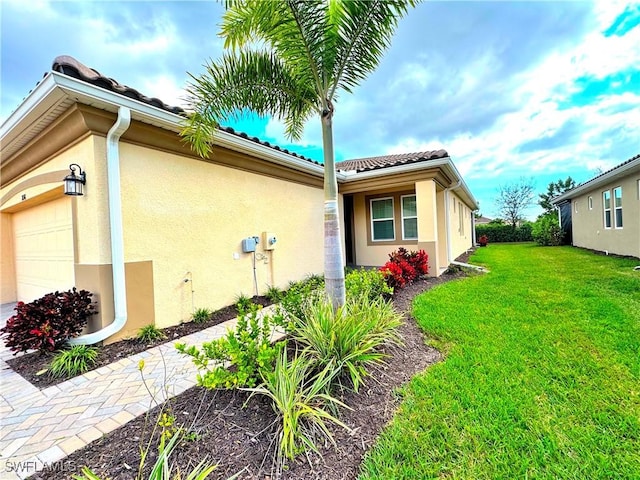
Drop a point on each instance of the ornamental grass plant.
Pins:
(351, 337)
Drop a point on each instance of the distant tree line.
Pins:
(512, 201)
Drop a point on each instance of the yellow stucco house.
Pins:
(159, 231)
(603, 213)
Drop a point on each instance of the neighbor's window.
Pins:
(617, 203)
(606, 204)
(461, 218)
(590, 203)
(409, 217)
(382, 224)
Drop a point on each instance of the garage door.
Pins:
(44, 249)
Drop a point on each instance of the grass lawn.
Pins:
(541, 378)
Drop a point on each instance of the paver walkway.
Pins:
(40, 427)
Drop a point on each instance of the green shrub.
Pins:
(349, 338)
(247, 349)
(74, 361)
(368, 283)
(243, 303)
(501, 233)
(201, 315)
(274, 294)
(299, 399)
(150, 333)
(546, 230)
(298, 294)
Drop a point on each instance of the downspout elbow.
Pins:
(117, 240)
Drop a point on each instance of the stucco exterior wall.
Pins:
(460, 233)
(188, 217)
(588, 224)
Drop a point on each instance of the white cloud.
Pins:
(164, 87)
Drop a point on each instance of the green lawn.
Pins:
(541, 377)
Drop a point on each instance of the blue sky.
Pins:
(540, 90)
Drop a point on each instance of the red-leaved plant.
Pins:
(404, 267)
(48, 322)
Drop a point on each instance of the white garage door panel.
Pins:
(44, 249)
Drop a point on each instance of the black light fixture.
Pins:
(72, 183)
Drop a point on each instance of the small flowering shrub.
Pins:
(247, 349)
(48, 322)
(404, 267)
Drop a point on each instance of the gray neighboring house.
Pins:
(604, 213)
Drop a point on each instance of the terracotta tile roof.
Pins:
(374, 163)
(73, 68)
(70, 66)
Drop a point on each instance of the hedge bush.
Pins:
(501, 233)
(546, 230)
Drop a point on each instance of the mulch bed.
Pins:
(236, 432)
(30, 364)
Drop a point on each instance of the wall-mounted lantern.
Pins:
(72, 183)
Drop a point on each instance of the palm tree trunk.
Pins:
(333, 263)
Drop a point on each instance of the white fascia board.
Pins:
(89, 94)
(597, 182)
(54, 86)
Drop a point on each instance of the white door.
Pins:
(44, 249)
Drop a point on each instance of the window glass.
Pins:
(382, 209)
(617, 201)
(606, 203)
(409, 218)
(382, 227)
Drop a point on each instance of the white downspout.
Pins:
(117, 243)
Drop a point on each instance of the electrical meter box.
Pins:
(269, 240)
(249, 244)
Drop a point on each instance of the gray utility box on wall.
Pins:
(249, 244)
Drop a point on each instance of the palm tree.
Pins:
(289, 59)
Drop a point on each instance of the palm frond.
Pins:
(365, 34)
(245, 81)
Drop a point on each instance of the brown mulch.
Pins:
(29, 365)
(237, 432)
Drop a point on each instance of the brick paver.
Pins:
(40, 427)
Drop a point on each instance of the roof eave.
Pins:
(445, 163)
(55, 87)
(614, 174)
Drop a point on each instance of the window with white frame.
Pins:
(590, 203)
(461, 218)
(606, 205)
(409, 217)
(575, 206)
(617, 204)
(382, 223)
